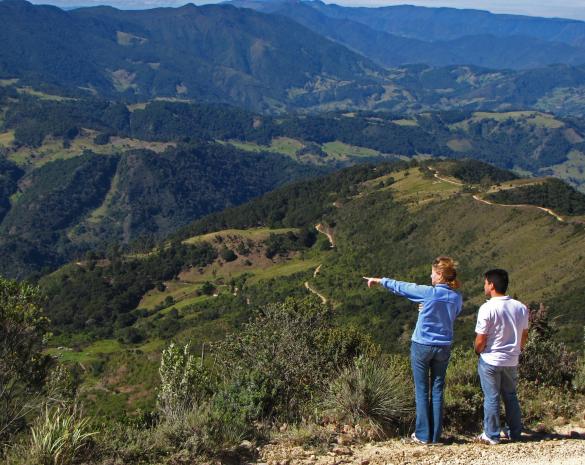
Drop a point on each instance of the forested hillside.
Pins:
(105, 172)
(251, 59)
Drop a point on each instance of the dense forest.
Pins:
(154, 194)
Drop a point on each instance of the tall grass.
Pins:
(57, 437)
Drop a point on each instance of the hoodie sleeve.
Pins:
(411, 291)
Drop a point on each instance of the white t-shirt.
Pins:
(503, 320)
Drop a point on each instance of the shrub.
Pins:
(547, 362)
(368, 391)
(23, 366)
(207, 429)
(227, 254)
(463, 396)
(293, 349)
(207, 288)
(544, 360)
(58, 437)
(184, 382)
(579, 379)
(102, 138)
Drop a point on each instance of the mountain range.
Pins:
(398, 35)
(299, 56)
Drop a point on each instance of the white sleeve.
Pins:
(483, 320)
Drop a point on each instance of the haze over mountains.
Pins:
(303, 55)
(398, 35)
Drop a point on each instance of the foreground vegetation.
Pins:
(289, 369)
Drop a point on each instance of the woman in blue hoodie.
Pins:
(431, 341)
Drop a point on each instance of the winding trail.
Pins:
(487, 202)
(546, 210)
(319, 227)
(314, 291)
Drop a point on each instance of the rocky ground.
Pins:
(566, 448)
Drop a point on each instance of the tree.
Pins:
(23, 367)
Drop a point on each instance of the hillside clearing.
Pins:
(256, 234)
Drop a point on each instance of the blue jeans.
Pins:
(429, 366)
(495, 382)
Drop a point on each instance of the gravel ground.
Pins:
(557, 451)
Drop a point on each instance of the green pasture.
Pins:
(405, 122)
(88, 354)
(256, 234)
(535, 118)
(459, 145)
(52, 148)
(340, 150)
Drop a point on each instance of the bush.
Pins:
(184, 382)
(579, 379)
(102, 138)
(368, 391)
(463, 396)
(547, 362)
(227, 254)
(544, 360)
(294, 350)
(207, 288)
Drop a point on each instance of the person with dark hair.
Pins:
(430, 348)
(501, 334)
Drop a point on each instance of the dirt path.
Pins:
(314, 291)
(487, 202)
(546, 452)
(319, 227)
(547, 210)
(448, 180)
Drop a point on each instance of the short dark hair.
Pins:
(499, 278)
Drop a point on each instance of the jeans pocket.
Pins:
(443, 353)
(420, 351)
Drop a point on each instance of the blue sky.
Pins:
(549, 8)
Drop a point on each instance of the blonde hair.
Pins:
(447, 267)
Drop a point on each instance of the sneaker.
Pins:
(416, 440)
(484, 439)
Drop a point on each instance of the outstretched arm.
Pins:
(411, 291)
